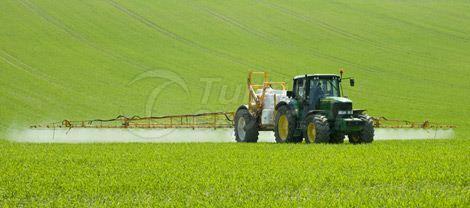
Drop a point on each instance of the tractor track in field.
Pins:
(344, 61)
(457, 15)
(328, 27)
(7, 57)
(414, 25)
(162, 30)
(17, 63)
(72, 33)
(421, 26)
(355, 37)
(59, 24)
(377, 69)
(108, 53)
(77, 36)
(231, 21)
(318, 54)
(322, 24)
(235, 23)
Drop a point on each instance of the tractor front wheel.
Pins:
(246, 127)
(284, 126)
(317, 129)
(367, 133)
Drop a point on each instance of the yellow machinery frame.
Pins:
(255, 102)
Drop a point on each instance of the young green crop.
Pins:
(384, 174)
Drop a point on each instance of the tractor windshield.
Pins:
(325, 87)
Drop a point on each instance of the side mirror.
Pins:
(290, 94)
(351, 82)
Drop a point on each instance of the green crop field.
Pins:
(99, 59)
(386, 174)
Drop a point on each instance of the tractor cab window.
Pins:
(299, 90)
(324, 87)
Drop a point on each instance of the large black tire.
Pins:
(285, 125)
(367, 133)
(337, 138)
(246, 127)
(317, 129)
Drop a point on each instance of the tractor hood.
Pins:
(336, 106)
(335, 100)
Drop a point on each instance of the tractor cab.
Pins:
(312, 88)
(321, 92)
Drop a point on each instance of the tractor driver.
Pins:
(317, 91)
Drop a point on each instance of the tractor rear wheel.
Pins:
(317, 129)
(367, 133)
(246, 127)
(284, 126)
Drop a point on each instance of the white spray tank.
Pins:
(271, 99)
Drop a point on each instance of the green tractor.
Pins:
(315, 110)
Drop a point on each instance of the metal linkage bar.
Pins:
(382, 122)
(204, 120)
(214, 120)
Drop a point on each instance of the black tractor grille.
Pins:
(341, 107)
